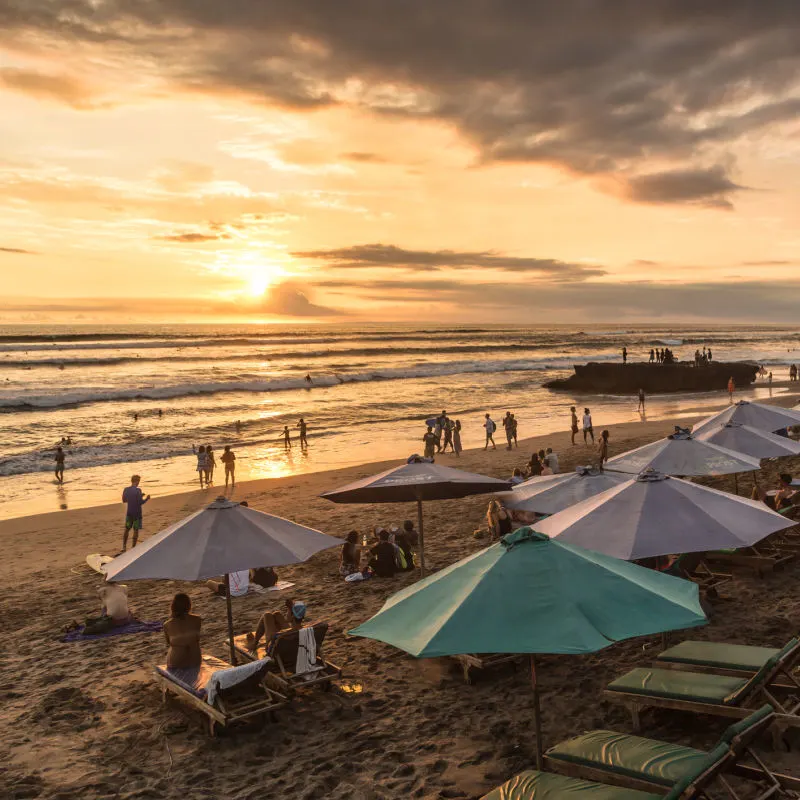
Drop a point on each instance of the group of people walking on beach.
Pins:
(443, 432)
(207, 462)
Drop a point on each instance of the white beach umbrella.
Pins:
(683, 454)
(549, 494)
(655, 515)
(752, 441)
(755, 415)
(221, 538)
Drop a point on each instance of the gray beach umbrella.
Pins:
(655, 515)
(549, 494)
(752, 441)
(755, 415)
(221, 538)
(683, 454)
(416, 482)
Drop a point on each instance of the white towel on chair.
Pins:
(306, 654)
(225, 678)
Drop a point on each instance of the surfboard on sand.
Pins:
(98, 562)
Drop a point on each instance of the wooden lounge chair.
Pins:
(282, 650)
(247, 699)
(719, 658)
(482, 661)
(654, 766)
(694, 567)
(701, 693)
(761, 558)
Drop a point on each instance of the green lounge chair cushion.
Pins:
(634, 756)
(533, 785)
(692, 686)
(713, 760)
(716, 654)
(743, 725)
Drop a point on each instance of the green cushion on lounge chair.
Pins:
(743, 725)
(635, 756)
(763, 673)
(719, 754)
(532, 785)
(694, 686)
(717, 654)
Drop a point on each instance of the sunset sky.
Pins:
(445, 160)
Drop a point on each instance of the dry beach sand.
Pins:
(86, 720)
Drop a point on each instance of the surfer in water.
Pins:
(134, 497)
(308, 380)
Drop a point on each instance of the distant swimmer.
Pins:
(135, 416)
(287, 438)
(238, 426)
(160, 413)
(308, 379)
(59, 459)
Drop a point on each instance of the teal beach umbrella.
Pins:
(531, 594)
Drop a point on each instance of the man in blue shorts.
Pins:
(134, 497)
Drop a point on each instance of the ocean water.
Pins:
(371, 390)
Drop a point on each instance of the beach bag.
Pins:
(401, 559)
(96, 625)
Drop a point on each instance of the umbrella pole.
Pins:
(537, 715)
(230, 617)
(421, 540)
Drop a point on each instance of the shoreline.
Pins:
(93, 487)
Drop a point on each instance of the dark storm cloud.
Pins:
(708, 187)
(388, 255)
(598, 87)
(18, 251)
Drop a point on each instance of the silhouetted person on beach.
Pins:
(135, 499)
(447, 429)
(238, 426)
(588, 428)
(640, 407)
(490, 428)
(303, 431)
(308, 379)
(160, 413)
(652, 355)
(457, 437)
(573, 423)
(624, 355)
(228, 458)
(59, 459)
(731, 387)
(287, 438)
(602, 449)
(202, 466)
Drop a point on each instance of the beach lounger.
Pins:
(534, 785)
(738, 660)
(650, 765)
(693, 567)
(283, 652)
(761, 558)
(482, 661)
(249, 698)
(701, 693)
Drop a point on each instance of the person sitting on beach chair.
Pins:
(272, 622)
(781, 499)
(182, 632)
